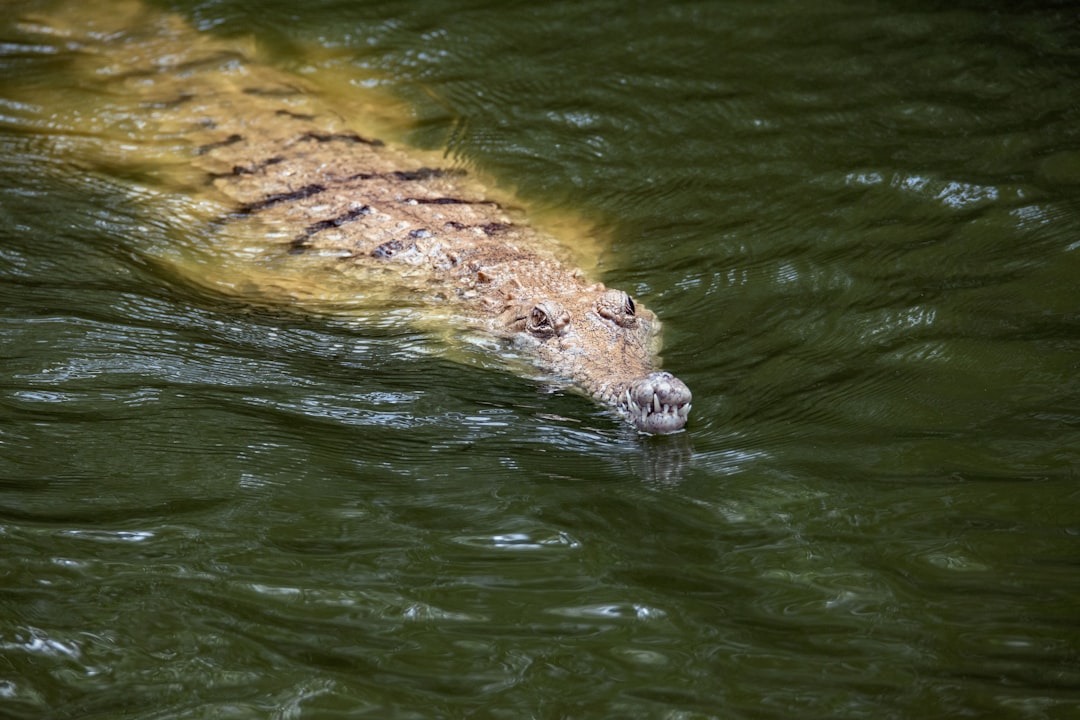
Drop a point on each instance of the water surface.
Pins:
(860, 223)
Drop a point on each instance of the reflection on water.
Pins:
(859, 224)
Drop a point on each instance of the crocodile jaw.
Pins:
(658, 403)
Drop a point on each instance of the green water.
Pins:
(860, 223)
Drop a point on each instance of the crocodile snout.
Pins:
(658, 403)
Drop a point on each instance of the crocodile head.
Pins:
(606, 344)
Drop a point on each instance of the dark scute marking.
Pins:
(278, 198)
(346, 217)
(388, 249)
(415, 176)
(450, 201)
(271, 161)
(454, 225)
(426, 173)
(295, 116)
(439, 201)
(249, 169)
(231, 140)
(342, 137)
(442, 201)
(494, 228)
(420, 233)
(300, 242)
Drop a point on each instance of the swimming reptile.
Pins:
(297, 175)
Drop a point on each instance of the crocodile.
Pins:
(300, 180)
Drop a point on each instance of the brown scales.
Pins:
(298, 176)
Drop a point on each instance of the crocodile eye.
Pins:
(547, 320)
(618, 307)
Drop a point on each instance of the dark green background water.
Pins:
(860, 222)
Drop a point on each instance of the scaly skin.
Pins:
(300, 178)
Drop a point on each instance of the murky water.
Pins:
(860, 223)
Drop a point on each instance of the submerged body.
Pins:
(301, 181)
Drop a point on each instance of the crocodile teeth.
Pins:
(654, 407)
(657, 403)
